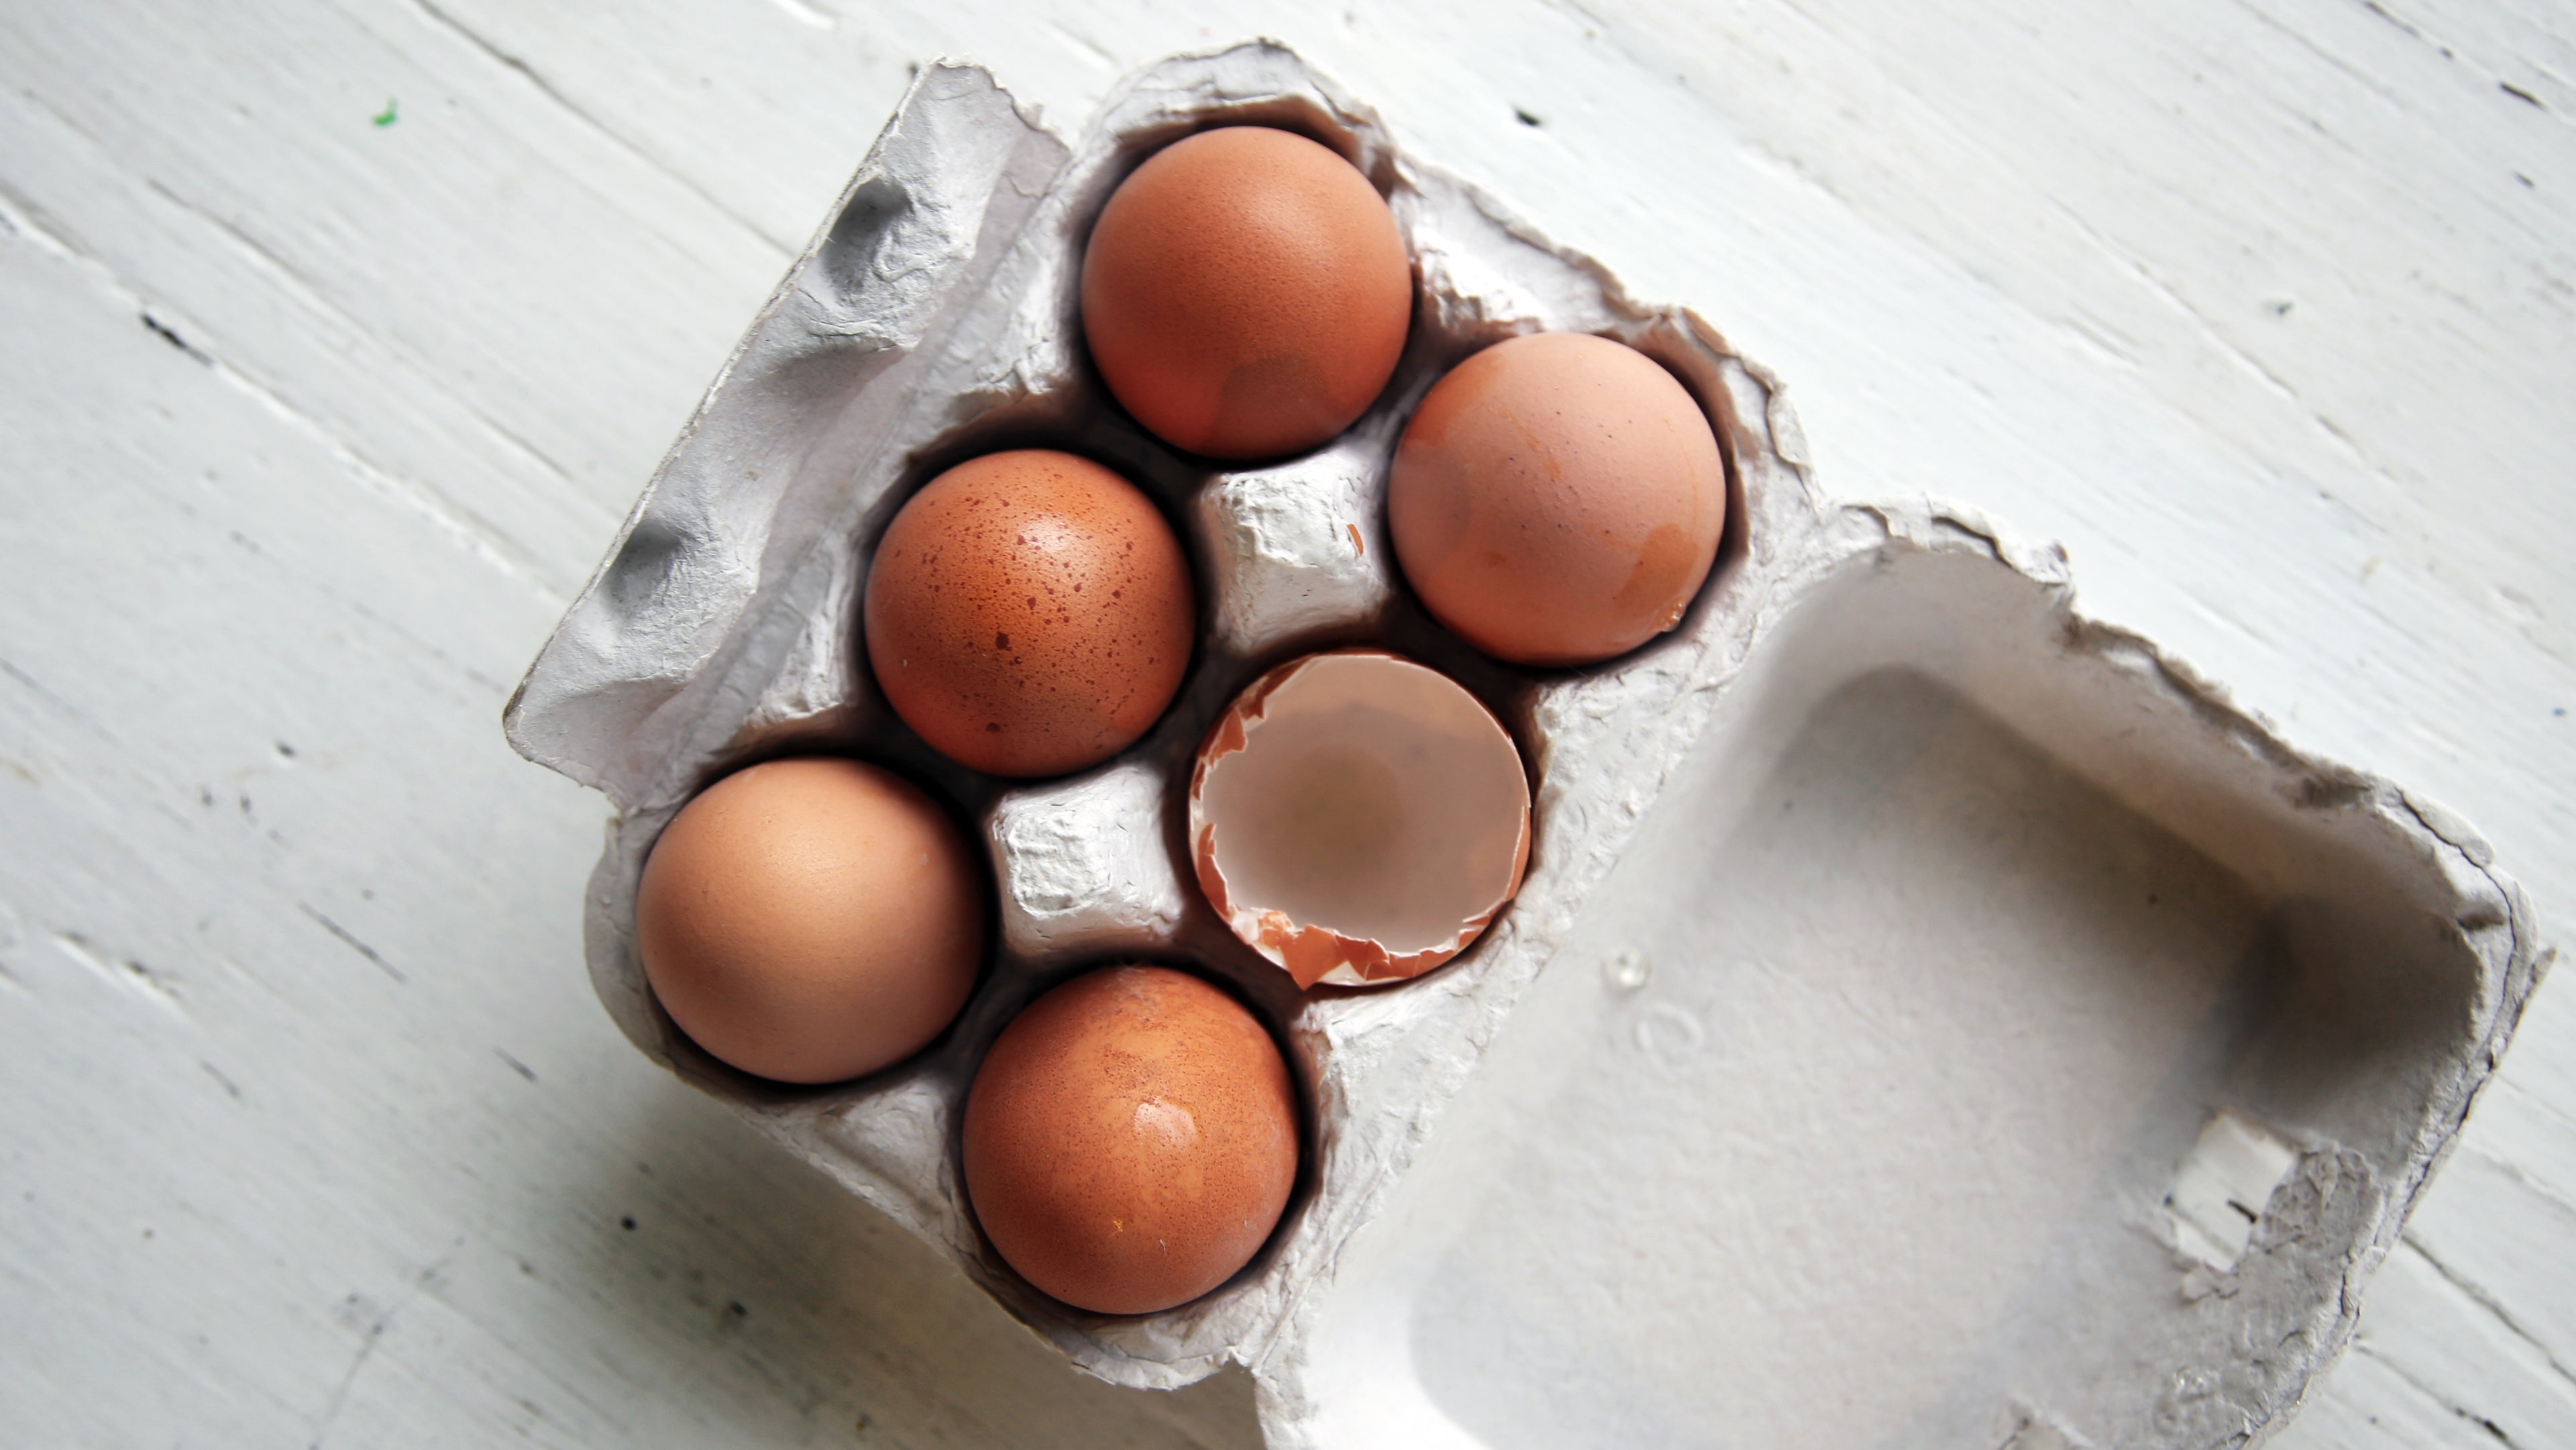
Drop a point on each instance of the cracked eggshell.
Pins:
(935, 316)
(1358, 818)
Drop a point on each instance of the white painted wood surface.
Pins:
(312, 1131)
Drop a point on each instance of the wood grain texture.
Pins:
(313, 1132)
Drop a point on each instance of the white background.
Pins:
(313, 1133)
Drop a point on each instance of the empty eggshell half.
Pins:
(1357, 817)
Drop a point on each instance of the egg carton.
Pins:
(1952, 1017)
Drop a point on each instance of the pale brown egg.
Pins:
(1245, 293)
(1557, 499)
(811, 919)
(1358, 818)
(1130, 1140)
(1029, 613)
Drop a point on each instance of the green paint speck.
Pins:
(386, 117)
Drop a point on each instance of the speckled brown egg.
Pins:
(1557, 499)
(1130, 1140)
(1246, 293)
(811, 919)
(1029, 613)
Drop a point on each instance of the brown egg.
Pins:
(811, 919)
(1130, 1140)
(1246, 293)
(1029, 613)
(1557, 499)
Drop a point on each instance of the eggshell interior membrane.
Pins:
(811, 919)
(1130, 1140)
(1029, 613)
(1246, 293)
(1557, 499)
(1356, 817)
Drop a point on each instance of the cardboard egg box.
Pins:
(1945, 1009)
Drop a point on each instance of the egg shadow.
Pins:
(796, 1315)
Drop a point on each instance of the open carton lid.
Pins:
(1988, 1038)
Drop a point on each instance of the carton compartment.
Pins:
(935, 318)
(1953, 1047)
